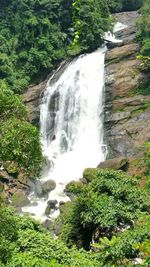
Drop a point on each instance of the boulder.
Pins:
(51, 205)
(48, 186)
(115, 164)
(19, 199)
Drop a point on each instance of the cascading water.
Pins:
(71, 116)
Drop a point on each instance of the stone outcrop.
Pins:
(31, 99)
(126, 112)
(114, 164)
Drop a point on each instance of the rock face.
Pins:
(31, 99)
(126, 112)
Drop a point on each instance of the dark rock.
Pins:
(115, 164)
(51, 205)
(111, 45)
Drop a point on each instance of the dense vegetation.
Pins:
(124, 5)
(143, 35)
(112, 210)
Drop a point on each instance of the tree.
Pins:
(20, 143)
(109, 203)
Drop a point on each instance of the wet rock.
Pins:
(51, 205)
(19, 199)
(38, 189)
(31, 99)
(115, 164)
(48, 186)
(129, 19)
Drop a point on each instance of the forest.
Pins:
(35, 37)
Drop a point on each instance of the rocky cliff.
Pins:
(126, 112)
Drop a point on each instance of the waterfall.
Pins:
(71, 122)
(72, 118)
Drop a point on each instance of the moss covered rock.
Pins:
(89, 174)
(48, 186)
(19, 199)
(74, 187)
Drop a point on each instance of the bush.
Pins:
(109, 202)
(10, 104)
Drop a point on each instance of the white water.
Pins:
(71, 116)
(110, 37)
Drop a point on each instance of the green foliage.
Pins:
(110, 201)
(144, 87)
(143, 35)
(126, 246)
(23, 242)
(10, 104)
(124, 5)
(90, 20)
(20, 142)
(147, 156)
(74, 188)
(31, 41)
